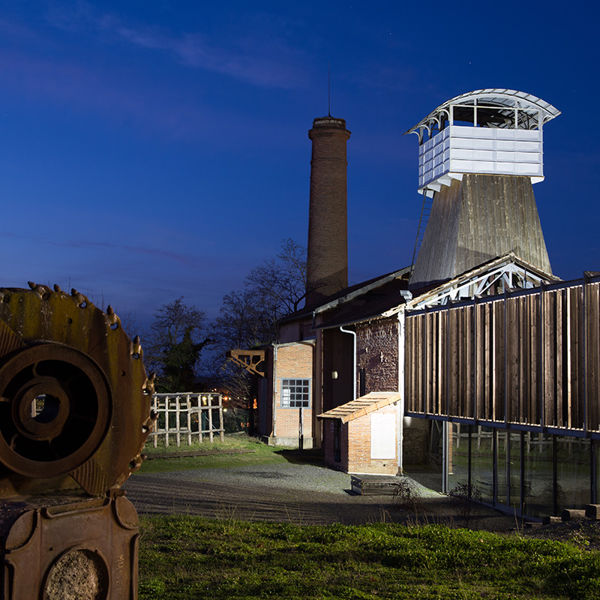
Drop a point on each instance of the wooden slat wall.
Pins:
(531, 359)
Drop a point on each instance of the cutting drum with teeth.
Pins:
(74, 417)
(74, 398)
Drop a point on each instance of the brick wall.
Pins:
(294, 361)
(327, 257)
(359, 446)
(377, 354)
(356, 446)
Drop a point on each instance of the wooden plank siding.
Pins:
(530, 358)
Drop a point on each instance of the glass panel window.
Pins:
(295, 393)
(538, 486)
(482, 464)
(573, 472)
(514, 463)
(501, 467)
(458, 459)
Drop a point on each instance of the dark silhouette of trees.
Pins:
(178, 336)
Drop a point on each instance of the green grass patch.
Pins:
(191, 557)
(237, 450)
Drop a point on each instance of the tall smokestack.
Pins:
(327, 265)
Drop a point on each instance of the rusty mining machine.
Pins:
(74, 417)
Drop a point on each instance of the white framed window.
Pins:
(295, 393)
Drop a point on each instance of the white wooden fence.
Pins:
(187, 418)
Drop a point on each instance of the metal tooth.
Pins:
(136, 463)
(81, 300)
(148, 388)
(43, 291)
(111, 317)
(136, 347)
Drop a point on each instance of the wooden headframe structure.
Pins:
(252, 361)
(529, 359)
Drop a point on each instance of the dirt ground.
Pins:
(298, 493)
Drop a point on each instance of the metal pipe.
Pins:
(353, 334)
(274, 383)
(400, 405)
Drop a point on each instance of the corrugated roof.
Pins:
(361, 406)
(494, 97)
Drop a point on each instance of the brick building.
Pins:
(370, 320)
(285, 400)
(475, 366)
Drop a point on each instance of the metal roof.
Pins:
(500, 97)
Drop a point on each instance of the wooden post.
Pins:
(155, 432)
(221, 426)
(210, 418)
(178, 420)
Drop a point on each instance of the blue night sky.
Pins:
(153, 150)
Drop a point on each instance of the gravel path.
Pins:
(297, 493)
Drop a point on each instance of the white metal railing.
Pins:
(186, 417)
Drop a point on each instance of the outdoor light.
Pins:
(334, 374)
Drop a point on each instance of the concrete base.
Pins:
(551, 520)
(374, 485)
(572, 514)
(290, 442)
(592, 511)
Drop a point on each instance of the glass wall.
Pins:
(458, 458)
(573, 472)
(502, 464)
(514, 471)
(482, 464)
(424, 452)
(532, 474)
(538, 485)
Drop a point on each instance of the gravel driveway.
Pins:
(297, 493)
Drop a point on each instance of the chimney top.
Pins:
(329, 122)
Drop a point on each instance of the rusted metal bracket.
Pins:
(251, 360)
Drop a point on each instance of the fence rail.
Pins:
(187, 418)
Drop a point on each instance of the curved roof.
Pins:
(492, 97)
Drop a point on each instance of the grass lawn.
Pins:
(191, 557)
(237, 450)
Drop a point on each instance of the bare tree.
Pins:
(248, 317)
(271, 291)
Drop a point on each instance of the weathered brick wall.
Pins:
(359, 447)
(294, 361)
(377, 354)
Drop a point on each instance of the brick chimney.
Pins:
(327, 265)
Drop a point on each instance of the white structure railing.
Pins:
(187, 417)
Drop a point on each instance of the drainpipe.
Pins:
(274, 415)
(400, 404)
(352, 333)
